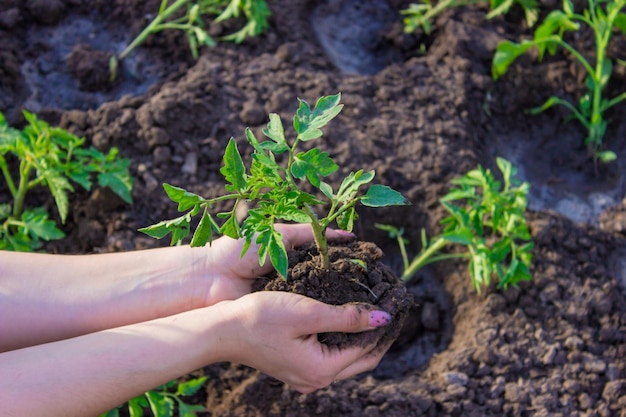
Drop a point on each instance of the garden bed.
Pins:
(554, 346)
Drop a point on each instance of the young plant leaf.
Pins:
(382, 196)
(234, 170)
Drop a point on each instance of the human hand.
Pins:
(276, 333)
(231, 276)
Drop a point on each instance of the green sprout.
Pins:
(164, 400)
(56, 159)
(276, 192)
(487, 218)
(192, 23)
(420, 15)
(549, 36)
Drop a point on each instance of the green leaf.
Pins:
(606, 156)
(346, 220)
(350, 184)
(119, 182)
(160, 405)
(506, 53)
(59, 186)
(38, 224)
(278, 254)
(307, 122)
(178, 227)
(276, 132)
(382, 196)
(568, 8)
(313, 164)
(234, 170)
(231, 228)
(462, 236)
(204, 231)
(136, 406)
(620, 22)
(188, 410)
(190, 387)
(327, 190)
(184, 198)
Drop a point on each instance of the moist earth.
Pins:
(423, 110)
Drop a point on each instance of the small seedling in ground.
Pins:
(164, 400)
(549, 36)
(276, 192)
(54, 158)
(487, 218)
(192, 23)
(420, 15)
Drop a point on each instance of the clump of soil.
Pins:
(91, 67)
(356, 275)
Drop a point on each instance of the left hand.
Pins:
(232, 275)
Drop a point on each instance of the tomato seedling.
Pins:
(420, 15)
(54, 158)
(549, 36)
(276, 192)
(488, 221)
(192, 23)
(164, 401)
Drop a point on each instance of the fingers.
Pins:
(365, 363)
(349, 318)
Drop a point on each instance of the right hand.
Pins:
(276, 333)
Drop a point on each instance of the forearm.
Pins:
(50, 297)
(91, 374)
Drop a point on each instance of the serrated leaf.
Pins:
(190, 387)
(346, 220)
(38, 224)
(119, 182)
(350, 184)
(278, 253)
(234, 170)
(275, 130)
(307, 122)
(59, 186)
(184, 198)
(230, 227)
(189, 410)
(160, 405)
(382, 196)
(313, 164)
(204, 231)
(463, 236)
(506, 53)
(327, 190)
(136, 405)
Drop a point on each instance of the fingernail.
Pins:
(379, 318)
(345, 233)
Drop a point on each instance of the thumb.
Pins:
(350, 318)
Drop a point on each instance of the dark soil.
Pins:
(420, 110)
(366, 281)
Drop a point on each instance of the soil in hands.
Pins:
(356, 275)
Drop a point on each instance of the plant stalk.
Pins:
(20, 195)
(423, 258)
(151, 27)
(319, 237)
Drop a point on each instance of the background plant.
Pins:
(54, 158)
(164, 400)
(192, 22)
(487, 218)
(276, 191)
(420, 15)
(549, 36)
